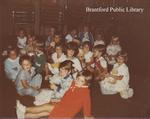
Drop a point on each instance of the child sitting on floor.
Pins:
(11, 65)
(59, 84)
(99, 39)
(57, 57)
(99, 66)
(87, 52)
(77, 98)
(28, 82)
(112, 50)
(118, 80)
(71, 53)
(39, 60)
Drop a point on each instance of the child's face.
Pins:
(86, 48)
(96, 53)
(70, 53)
(57, 39)
(21, 33)
(12, 55)
(80, 81)
(120, 60)
(26, 65)
(58, 50)
(99, 37)
(80, 55)
(63, 72)
(115, 40)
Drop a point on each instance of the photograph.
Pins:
(74, 59)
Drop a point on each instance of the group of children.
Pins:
(69, 63)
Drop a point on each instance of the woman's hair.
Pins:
(72, 46)
(124, 55)
(67, 64)
(100, 48)
(25, 57)
(88, 76)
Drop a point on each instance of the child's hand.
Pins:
(53, 86)
(112, 81)
(107, 75)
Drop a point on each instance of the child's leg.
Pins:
(39, 109)
(35, 116)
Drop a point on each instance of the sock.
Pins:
(20, 106)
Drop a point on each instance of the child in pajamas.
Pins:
(112, 50)
(11, 65)
(57, 57)
(61, 83)
(118, 79)
(99, 66)
(87, 53)
(39, 60)
(72, 51)
(28, 82)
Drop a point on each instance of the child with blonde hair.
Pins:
(118, 79)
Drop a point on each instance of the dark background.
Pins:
(133, 29)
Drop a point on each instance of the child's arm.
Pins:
(116, 77)
(53, 86)
(91, 69)
(25, 84)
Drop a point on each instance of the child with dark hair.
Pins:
(86, 35)
(99, 39)
(99, 66)
(72, 51)
(112, 50)
(85, 54)
(27, 81)
(72, 36)
(118, 79)
(77, 98)
(56, 40)
(86, 46)
(39, 60)
(11, 64)
(21, 41)
(59, 84)
(57, 57)
(50, 37)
